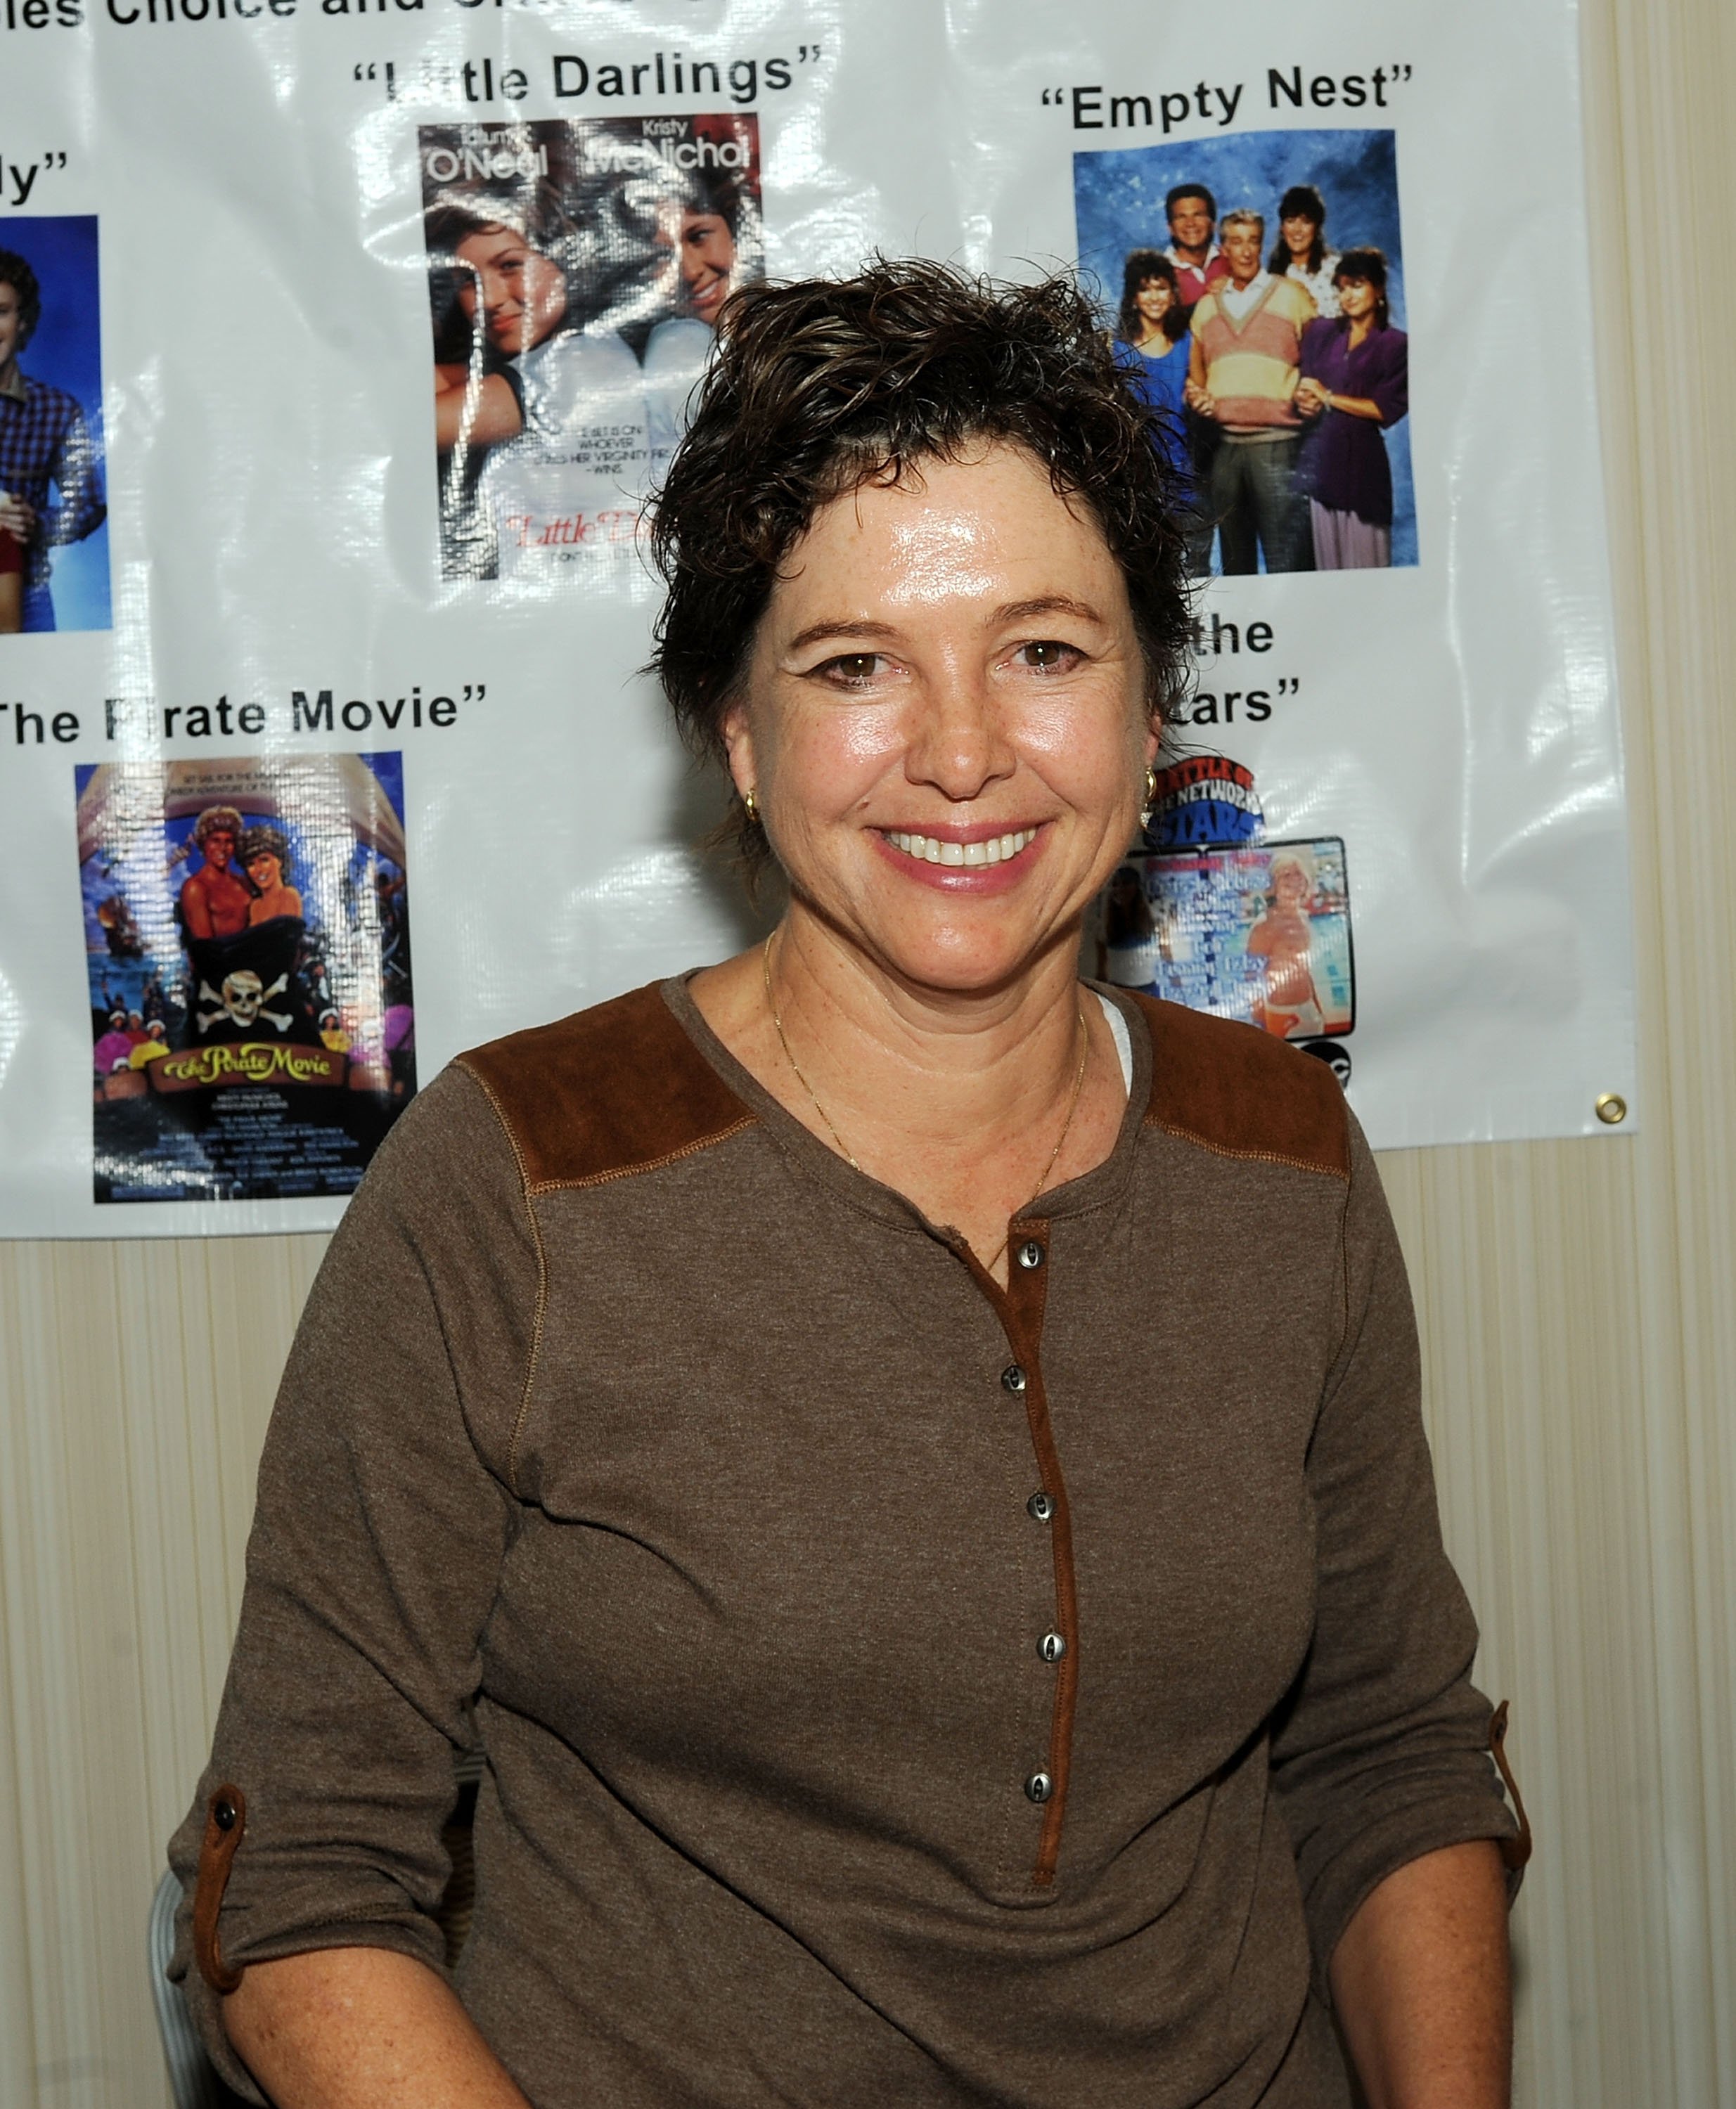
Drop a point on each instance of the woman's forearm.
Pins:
(1355, 406)
(1422, 1984)
(361, 2028)
(483, 416)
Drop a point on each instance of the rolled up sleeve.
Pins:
(383, 1516)
(1381, 1753)
(77, 471)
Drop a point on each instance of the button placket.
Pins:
(1022, 1305)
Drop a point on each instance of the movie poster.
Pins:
(576, 272)
(53, 541)
(1253, 286)
(247, 946)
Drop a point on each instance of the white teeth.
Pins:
(931, 849)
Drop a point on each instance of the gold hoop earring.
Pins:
(750, 807)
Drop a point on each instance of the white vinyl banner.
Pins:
(340, 341)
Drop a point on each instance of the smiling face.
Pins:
(705, 255)
(1357, 298)
(217, 849)
(1241, 242)
(521, 295)
(1299, 235)
(265, 871)
(1191, 225)
(1154, 300)
(945, 720)
(1290, 887)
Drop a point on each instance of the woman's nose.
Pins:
(959, 745)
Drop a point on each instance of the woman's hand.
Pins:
(1311, 397)
(1422, 1984)
(1200, 399)
(361, 2028)
(1345, 406)
(18, 518)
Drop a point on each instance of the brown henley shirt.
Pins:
(894, 1689)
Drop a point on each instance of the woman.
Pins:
(1300, 251)
(708, 224)
(1150, 342)
(1130, 953)
(265, 852)
(1355, 384)
(509, 295)
(1284, 939)
(703, 227)
(543, 418)
(909, 1467)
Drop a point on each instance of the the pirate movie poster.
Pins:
(247, 944)
(326, 564)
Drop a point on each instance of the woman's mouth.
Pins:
(930, 849)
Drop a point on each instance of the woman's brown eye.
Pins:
(855, 665)
(1047, 653)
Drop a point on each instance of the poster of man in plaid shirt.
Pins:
(45, 440)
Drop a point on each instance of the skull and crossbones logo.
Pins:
(242, 1000)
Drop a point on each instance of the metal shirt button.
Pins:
(1029, 1253)
(1040, 1507)
(1053, 1646)
(1038, 1787)
(1012, 1378)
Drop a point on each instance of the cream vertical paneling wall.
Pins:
(135, 1380)
(1577, 1301)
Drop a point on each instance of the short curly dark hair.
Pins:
(16, 272)
(818, 387)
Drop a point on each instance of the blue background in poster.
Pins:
(1118, 199)
(66, 352)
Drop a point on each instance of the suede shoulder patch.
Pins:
(1235, 1089)
(605, 1093)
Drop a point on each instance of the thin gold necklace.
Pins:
(844, 1151)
